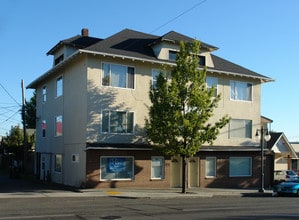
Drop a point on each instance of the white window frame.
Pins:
(44, 94)
(59, 86)
(239, 91)
(240, 128)
(129, 78)
(157, 164)
(211, 170)
(58, 119)
(118, 166)
(241, 168)
(122, 128)
(210, 82)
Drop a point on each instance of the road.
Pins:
(229, 207)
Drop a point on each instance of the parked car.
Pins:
(286, 188)
(285, 175)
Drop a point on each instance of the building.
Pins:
(92, 103)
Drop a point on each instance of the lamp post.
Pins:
(264, 136)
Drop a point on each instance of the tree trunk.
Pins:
(183, 174)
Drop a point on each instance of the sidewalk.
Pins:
(28, 188)
(132, 193)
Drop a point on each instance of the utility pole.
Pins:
(24, 125)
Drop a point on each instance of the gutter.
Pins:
(34, 83)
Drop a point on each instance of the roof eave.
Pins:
(263, 79)
(33, 84)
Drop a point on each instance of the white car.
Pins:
(285, 175)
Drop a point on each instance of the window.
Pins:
(240, 91)
(240, 166)
(58, 163)
(44, 126)
(202, 60)
(59, 87)
(210, 166)
(212, 82)
(59, 59)
(44, 94)
(240, 128)
(117, 168)
(117, 122)
(155, 73)
(157, 171)
(58, 125)
(118, 76)
(75, 158)
(172, 55)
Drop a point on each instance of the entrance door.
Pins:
(45, 170)
(176, 167)
(193, 170)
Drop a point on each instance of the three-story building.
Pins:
(92, 105)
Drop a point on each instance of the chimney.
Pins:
(84, 32)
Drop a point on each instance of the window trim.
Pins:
(127, 76)
(60, 89)
(44, 94)
(162, 167)
(240, 175)
(234, 84)
(215, 167)
(215, 86)
(109, 122)
(118, 179)
(55, 126)
(245, 121)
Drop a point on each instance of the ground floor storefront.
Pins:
(217, 167)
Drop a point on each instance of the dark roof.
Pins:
(223, 65)
(137, 45)
(274, 138)
(77, 41)
(176, 38)
(127, 43)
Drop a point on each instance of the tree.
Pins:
(182, 105)
(13, 143)
(30, 112)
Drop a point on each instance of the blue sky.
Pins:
(260, 35)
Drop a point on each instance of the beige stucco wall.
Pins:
(84, 98)
(137, 100)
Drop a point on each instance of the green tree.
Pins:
(13, 143)
(182, 105)
(30, 112)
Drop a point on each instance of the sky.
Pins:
(262, 36)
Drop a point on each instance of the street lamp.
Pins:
(264, 136)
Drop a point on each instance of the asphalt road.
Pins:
(119, 208)
(107, 207)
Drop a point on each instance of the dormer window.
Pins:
(59, 59)
(202, 60)
(172, 55)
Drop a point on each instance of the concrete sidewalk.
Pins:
(30, 188)
(134, 193)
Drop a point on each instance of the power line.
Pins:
(180, 15)
(9, 95)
